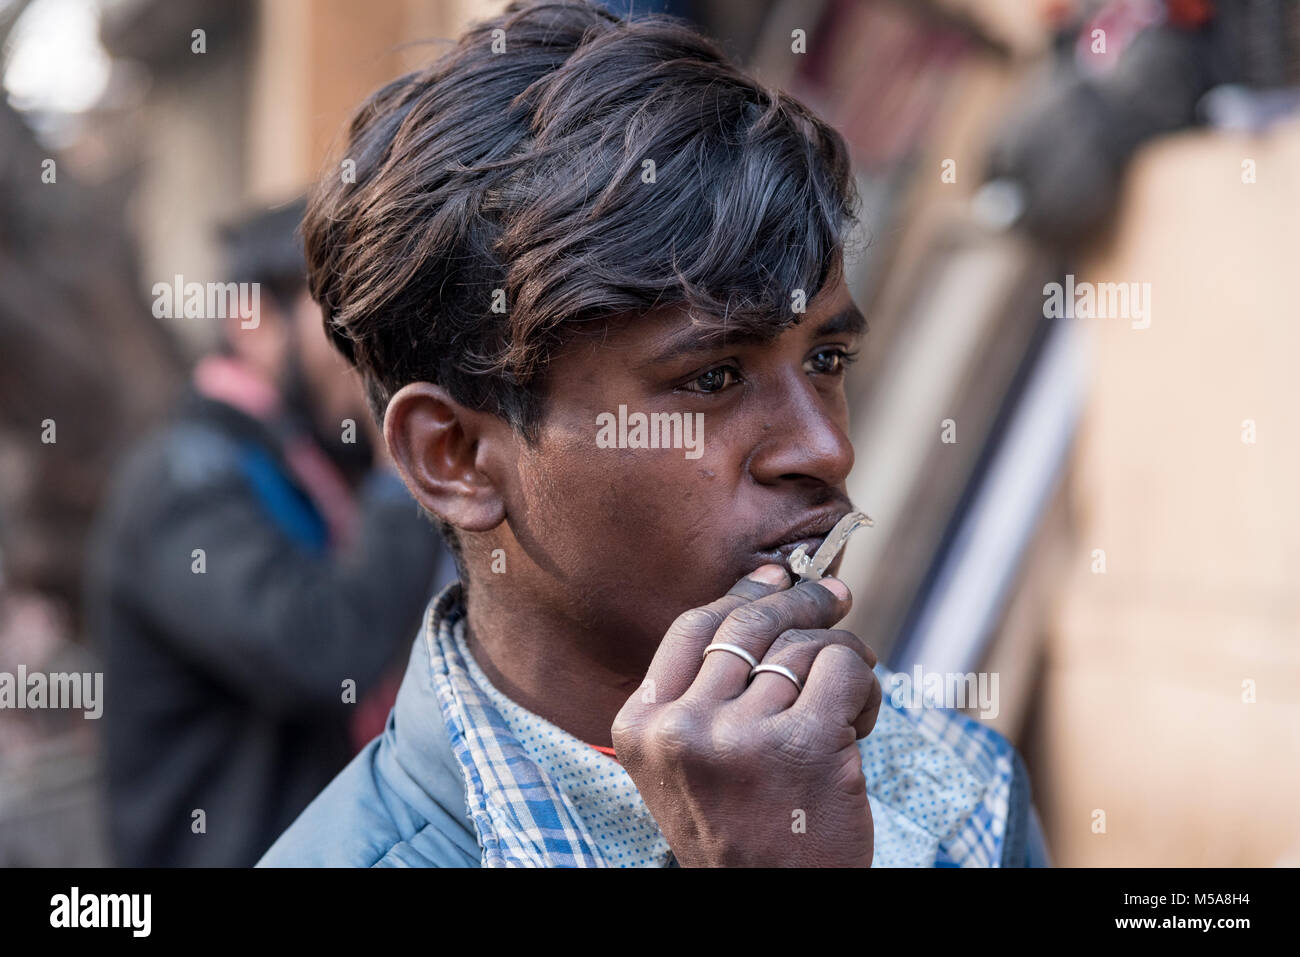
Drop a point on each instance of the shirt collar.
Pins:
(599, 789)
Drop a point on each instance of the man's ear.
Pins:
(444, 451)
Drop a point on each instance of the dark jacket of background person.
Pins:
(224, 690)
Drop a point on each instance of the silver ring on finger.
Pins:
(735, 650)
(781, 670)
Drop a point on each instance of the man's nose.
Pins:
(801, 439)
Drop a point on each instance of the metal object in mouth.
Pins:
(812, 567)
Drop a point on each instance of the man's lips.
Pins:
(811, 530)
(781, 554)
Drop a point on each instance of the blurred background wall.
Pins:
(1095, 512)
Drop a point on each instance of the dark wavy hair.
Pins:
(521, 170)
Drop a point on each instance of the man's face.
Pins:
(324, 389)
(333, 386)
(625, 539)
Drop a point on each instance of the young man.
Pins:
(567, 222)
(249, 562)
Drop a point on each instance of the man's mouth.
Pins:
(810, 531)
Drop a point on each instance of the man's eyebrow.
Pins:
(849, 319)
(692, 340)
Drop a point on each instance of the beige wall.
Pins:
(316, 62)
(193, 134)
(1144, 715)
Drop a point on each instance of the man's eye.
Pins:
(714, 380)
(832, 361)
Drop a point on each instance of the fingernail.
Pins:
(769, 575)
(835, 587)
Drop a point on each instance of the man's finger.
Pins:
(757, 624)
(841, 688)
(796, 649)
(678, 658)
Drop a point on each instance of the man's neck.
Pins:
(550, 666)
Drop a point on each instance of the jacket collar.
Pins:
(416, 755)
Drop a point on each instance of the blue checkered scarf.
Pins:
(939, 782)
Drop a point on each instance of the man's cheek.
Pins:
(655, 506)
(638, 507)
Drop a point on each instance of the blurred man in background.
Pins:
(257, 569)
